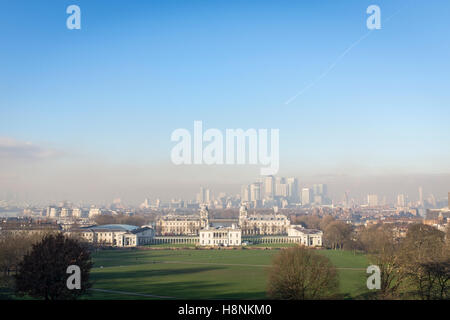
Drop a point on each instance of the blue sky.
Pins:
(114, 91)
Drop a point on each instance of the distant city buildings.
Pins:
(372, 200)
(401, 201)
(283, 192)
(306, 196)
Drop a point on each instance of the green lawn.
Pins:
(205, 274)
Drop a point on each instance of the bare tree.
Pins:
(378, 241)
(337, 234)
(300, 273)
(426, 261)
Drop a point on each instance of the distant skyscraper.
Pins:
(346, 199)
(320, 189)
(145, 204)
(269, 186)
(401, 201)
(204, 196)
(372, 200)
(208, 196)
(245, 193)
(293, 188)
(255, 191)
(448, 200)
(320, 194)
(420, 196)
(281, 189)
(306, 196)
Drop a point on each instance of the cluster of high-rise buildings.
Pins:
(280, 191)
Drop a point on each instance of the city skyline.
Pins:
(283, 191)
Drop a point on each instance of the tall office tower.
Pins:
(401, 201)
(269, 186)
(346, 199)
(201, 195)
(245, 193)
(372, 200)
(306, 196)
(420, 196)
(208, 196)
(320, 193)
(292, 188)
(255, 192)
(281, 189)
(145, 204)
(320, 189)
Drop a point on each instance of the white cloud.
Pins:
(12, 149)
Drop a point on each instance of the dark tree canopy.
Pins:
(43, 271)
(300, 274)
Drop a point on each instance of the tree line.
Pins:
(414, 267)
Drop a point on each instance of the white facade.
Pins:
(307, 237)
(118, 237)
(306, 196)
(94, 212)
(220, 236)
(372, 200)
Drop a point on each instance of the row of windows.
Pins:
(220, 242)
(220, 235)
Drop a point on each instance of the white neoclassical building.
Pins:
(117, 235)
(182, 225)
(262, 224)
(307, 237)
(220, 236)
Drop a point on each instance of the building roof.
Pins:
(306, 231)
(139, 230)
(111, 227)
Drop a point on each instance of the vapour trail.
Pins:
(335, 62)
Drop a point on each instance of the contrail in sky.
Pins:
(331, 67)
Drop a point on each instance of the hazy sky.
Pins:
(87, 114)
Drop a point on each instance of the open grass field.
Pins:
(204, 274)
